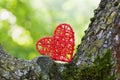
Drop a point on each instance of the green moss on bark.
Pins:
(100, 69)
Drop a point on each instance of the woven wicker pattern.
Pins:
(60, 46)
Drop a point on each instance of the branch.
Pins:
(103, 33)
(18, 69)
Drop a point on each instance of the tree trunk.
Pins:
(102, 33)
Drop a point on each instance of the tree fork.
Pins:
(102, 33)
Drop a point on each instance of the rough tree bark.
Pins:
(102, 33)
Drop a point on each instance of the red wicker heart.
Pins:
(60, 46)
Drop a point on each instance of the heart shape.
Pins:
(60, 46)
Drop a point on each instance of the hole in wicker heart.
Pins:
(67, 34)
(45, 49)
(57, 37)
(71, 40)
(68, 56)
(48, 41)
(56, 50)
(50, 54)
(59, 31)
(49, 46)
(68, 28)
(39, 47)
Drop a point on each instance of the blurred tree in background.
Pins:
(23, 22)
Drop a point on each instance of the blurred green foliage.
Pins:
(23, 22)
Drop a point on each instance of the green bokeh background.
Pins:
(23, 22)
